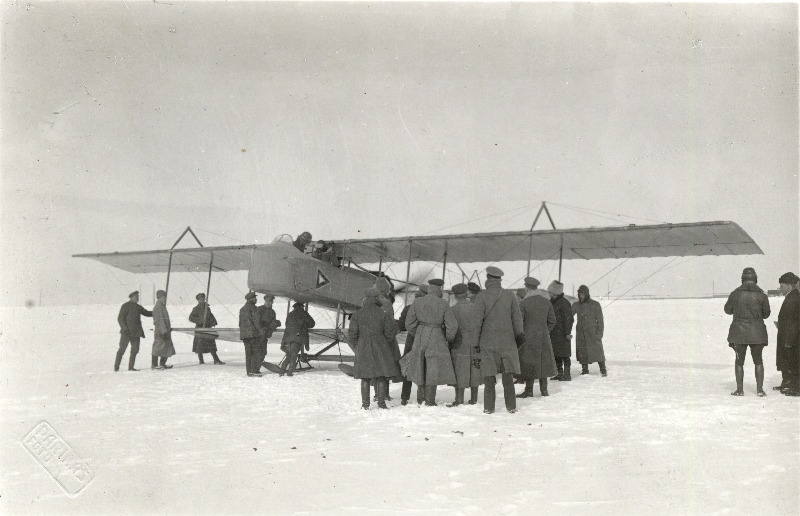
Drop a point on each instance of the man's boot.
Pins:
(739, 381)
(365, 388)
(560, 366)
(489, 394)
(132, 362)
(459, 398)
(528, 392)
(405, 392)
(508, 392)
(420, 394)
(216, 358)
(200, 358)
(782, 386)
(430, 395)
(473, 395)
(584, 368)
(567, 376)
(117, 361)
(163, 363)
(383, 393)
(793, 387)
(154, 363)
(543, 386)
(603, 369)
(760, 380)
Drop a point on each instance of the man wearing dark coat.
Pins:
(202, 317)
(372, 334)
(302, 240)
(386, 302)
(561, 334)
(270, 323)
(405, 393)
(250, 331)
(787, 354)
(464, 348)
(749, 306)
(472, 290)
(501, 334)
(429, 363)
(130, 329)
(536, 358)
(295, 337)
(589, 331)
(162, 343)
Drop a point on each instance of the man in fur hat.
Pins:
(589, 331)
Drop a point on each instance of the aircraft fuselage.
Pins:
(282, 270)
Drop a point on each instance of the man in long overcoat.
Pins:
(202, 317)
(250, 331)
(269, 323)
(130, 329)
(787, 354)
(295, 337)
(589, 331)
(371, 334)
(749, 306)
(501, 333)
(405, 393)
(536, 355)
(561, 334)
(386, 302)
(464, 348)
(162, 343)
(429, 363)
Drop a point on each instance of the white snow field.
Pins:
(660, 435)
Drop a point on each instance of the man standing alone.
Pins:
(589, 332)
(130, 329)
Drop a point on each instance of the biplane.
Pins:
(337, 278)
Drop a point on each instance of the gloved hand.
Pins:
(569, 337)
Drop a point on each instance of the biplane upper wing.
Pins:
(689, 239)
(196, 259)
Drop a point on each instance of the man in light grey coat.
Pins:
(162, 344)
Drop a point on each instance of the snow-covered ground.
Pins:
(659, 435)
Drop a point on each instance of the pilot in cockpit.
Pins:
(302, 241)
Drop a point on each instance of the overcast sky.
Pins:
(124, 122)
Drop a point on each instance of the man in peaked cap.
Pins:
(130, 329)
(429, 363)
(405, 393)
(162, 344)
(532, 287)
(787, 354)
(463, 337)
(250, 331)
(749, 306)
(269, 323)
(295, 336)
(536, 355)
(472, 291)
(371, 333)
(501, 334)
(202, 317)
(561, 334)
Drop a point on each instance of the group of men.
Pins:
(487, 332)
(749, 306)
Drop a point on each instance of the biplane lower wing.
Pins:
(232, 334)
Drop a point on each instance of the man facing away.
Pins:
(270, 323)
(464, 350)
(501, 334)
(162, 343)
(295, 336)
(536, 355)
(130, 329)
(787, 354)
(749, 306)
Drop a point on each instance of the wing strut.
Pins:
(169, 263)
(543, 207)
(408, 273)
